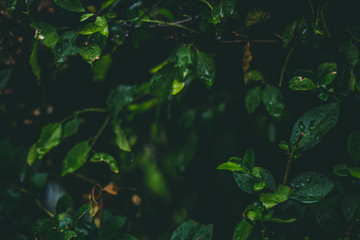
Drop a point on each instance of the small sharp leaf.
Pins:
(249, 159)
(161, 82)
(242, 230)
(34, 62)
(75, 158)
(350, 51)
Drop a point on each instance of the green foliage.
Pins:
(75, 158)
(193, 230)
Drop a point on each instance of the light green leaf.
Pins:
(193, 230)
(225, 8)
(242, 230)
(280, 195)
(32, 155)
(100, 25)
(75, 158)
(105, 157)
(350, 51)
(326, 73)
(313, 125)
(50, 137)
(90, 53)
(355, 172)
(101, 68)
(301, 84)
(71, 5)
(86, 16)
(259, 186)
(66, 47)
(232, 167)
(284, 145)
(279, 220)
(119, 98)
(72, 127)
(255, 76)
(177, 86)
(205, 67)
(34, 62)
(288, 34)
(121, 140)
(253, 99)
(45, 32)
(353, 146)
(310, 187)
(273, 101)
(249, 159)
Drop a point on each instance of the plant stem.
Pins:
(285, 65)
(290, 159)
(170, 24)
(100, 131)
(207, 3)
(76, 113)
(23, 190)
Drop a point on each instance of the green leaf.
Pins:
(255, 76)
(249, 159)
(184, 61)
(4, 78)
(310, 187)
(72, 127)
(304, 30)
(69, 234)
(253, 99)
(273, 100)
(71, 5)
(120, 139)
(289, 32)
(119, 98)
(205, 67)
(100, 25)
(353, 146)
(90, 53)
(280, 195)
(86, 16)
(225, 8)
(46, 32)
(32, 154)
(81, 212)
(34, 62)
(107, 4)
(284, 145)
(161, 82)
(326, 73)
(75, 158)
(313, 125)
(246, 182)
(349, 206)
(279, 220)
(301, 84)
(177, 87)
(242, 230)
(341, 170)
(42, 225)
(50, 137)
(193, 230)
(111, 223)
(63, 203)
(259, 186)
(105, 157)
(9, 201)
(11, 6)
(350, 51)
(101, 67)
(355, 172)
(37, 182)
(231, 167)
(66, 47)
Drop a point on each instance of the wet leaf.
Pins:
(177, 86)
(242, 230)
(288, 34)
(350, 51)
(34, 62)
(50, 137)
(255, 16)
(71, 5)
(119, 98)
(86, 16)
(253, 99)
(45, 32)
(107, 4)
(63, 203)
(326, 73)
(161, 82)
(184, 61)
(273, 101)
(232, 167)
(301, 84)
(205, 67)
(280, 195)
(284, 145)
(32, 155)
(193, 230)
(313, 125)
(304, 30)
(66, 47)
(259, 186)
(105, 157)
(71, 127)
(246, 182)
(84, 209)
(100, 25)
(310, 187)
(90, 53)
(353, 146)
(75, 158)
(225, 8)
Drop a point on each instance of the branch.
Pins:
(285, 65)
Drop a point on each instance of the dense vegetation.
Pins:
(117, 116)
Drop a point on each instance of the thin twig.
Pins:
(169, 24)
(285, 65)
(76, 113)
(245, 40)
(100, 131)
(291, 158)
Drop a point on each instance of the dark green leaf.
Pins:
(120, 139)
(66, 47)
(232, 167)
(301, 84)
(63, 203)
(353, 146)
(225, 8)
(326, 73)
(304, 30)
(205, 67)
(349, 206)
(9, 199)
(341, 170)
(253, 99)
(310, 187)
(351, 52)
(42, 225)
(119, 98)
(355, 172)
(185, 62)
(107, 4)
(4, 78)
(255, 76)
(193, 230)
(101, 67)
(46, 32)
(34, 62)
(72, 127)
(280, 195)
(105, 157)
(246, 181)
(273, 100)
(313, 125)
(161, 82)
(242, 230)
(90, 53)
(75, 158)
(265, 176)
(81, 212)
(289, 33)
(139, 36)
(50, 137)
(71, 5)
(113, 224)
(86, 16)
(249, 159)
(37, 182)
